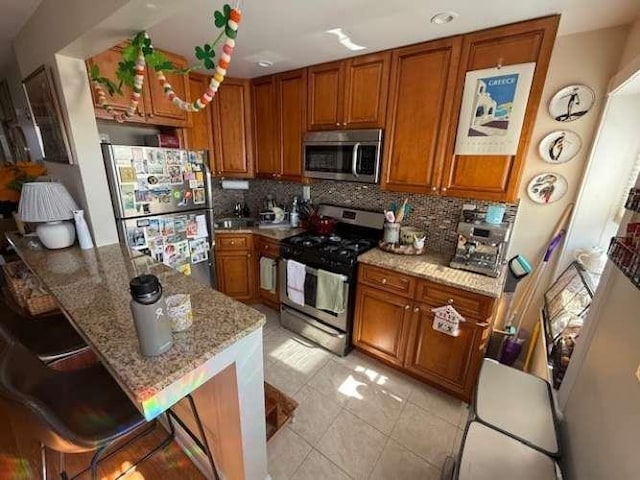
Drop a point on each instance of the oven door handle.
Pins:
(314, 272)
(354, 160)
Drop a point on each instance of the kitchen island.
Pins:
(218, 360)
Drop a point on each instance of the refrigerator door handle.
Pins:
(208, 188)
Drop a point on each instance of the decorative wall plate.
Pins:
(547, 187)
(571, 102)
(560, 146)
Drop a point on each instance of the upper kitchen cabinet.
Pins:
(419, 115)
(495, 177)
(291, 94)
(325, 96)
(366, 85)
(348, 94)
(108, 64)
(265, 124)
(232, 135)
(162, 111)
(200, 135)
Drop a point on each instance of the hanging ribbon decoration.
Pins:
(144, 48)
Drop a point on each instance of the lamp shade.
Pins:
(45, 202)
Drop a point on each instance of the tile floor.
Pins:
(357, 418)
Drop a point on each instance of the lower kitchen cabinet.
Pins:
(437, 357)
(395, 325)
(235, 265)
(381, 323)
(270, 249)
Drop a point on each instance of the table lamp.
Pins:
(50, 205)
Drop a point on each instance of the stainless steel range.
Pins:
(356, 232)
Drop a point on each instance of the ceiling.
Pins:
(14, 15)
(292, 33)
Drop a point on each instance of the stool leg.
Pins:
(43, 458)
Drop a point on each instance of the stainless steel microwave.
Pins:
(351, 155)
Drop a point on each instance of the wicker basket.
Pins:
(26, 290)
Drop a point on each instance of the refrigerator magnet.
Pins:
(198, 196)
(193, 184)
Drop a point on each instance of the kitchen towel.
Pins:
(296, 273)
(310, 288)
(267, 267)
(330, 292)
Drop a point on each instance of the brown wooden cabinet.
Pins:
(291, 94)
(265, 122)
(232, 130)
(495, 177)
(162, 111)
(381, 323)
(393, 322)
(271, 249)
(418, 116)
(441, 358)
(200, 135)
(108, 63)
(235, 265)
(348, 94)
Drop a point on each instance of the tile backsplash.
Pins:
(439, 216)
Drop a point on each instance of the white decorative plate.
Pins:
(571, 102)
(560, 146)
(547, 187)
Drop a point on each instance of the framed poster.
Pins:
(494, 103)
(46, 114)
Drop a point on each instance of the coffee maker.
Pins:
(481, 247)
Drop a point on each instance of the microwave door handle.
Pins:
(354, 160)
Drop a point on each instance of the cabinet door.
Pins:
(292, 111)
(497, 177)
(418, 116)
(325, 96)
(450, 362)
(380, 323)
(366, 86)
(108, 64)
(200, 135)
(162, 111)
(235, 274)
(231, 114)
(265, 123)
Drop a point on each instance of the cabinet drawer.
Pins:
(393, 282)
(233, 242)
(266, 247)
(477, 306)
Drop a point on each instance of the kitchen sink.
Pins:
(230, 223)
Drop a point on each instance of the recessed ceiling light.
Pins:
(443, 18)
(265, 63)
(344, 39)
(151, 6)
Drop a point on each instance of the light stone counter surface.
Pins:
(271, 233)
(435, 267)
(92, 287)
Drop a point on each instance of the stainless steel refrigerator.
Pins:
(162, 202)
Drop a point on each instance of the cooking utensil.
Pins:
(400, 212)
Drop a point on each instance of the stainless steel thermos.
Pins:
(150, 315)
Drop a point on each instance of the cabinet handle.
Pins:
(450, 301)
(384, 281)
(443, 189)
(151, 115)
(337, 124)
(434, 189)
(416, 310)
(232, 242)
(482, 324)
(407, 307)
(248, 255)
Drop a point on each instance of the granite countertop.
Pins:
(271, 233)
(92, 287)
(435, 267)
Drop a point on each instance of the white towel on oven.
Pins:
(296, 273)
(330, 292)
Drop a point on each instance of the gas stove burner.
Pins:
(335, 239)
